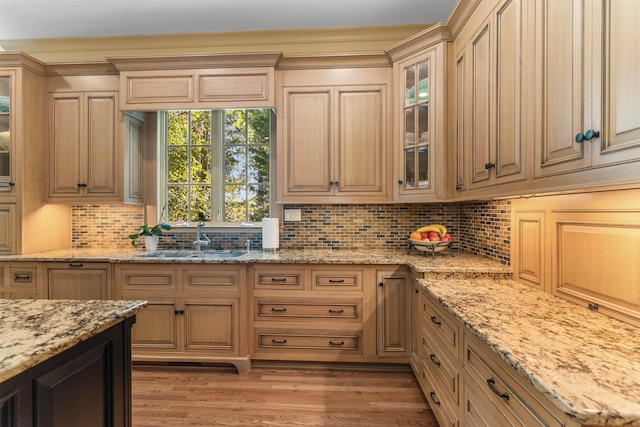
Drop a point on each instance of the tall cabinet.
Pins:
(27, 225)
(419, 117)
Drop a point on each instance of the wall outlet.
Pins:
(292, 215)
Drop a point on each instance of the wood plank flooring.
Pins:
(205, 396)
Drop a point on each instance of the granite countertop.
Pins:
(33, 331)
(460, 262)
(588, 364)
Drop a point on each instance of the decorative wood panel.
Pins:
(480, 130)
(211, 324)
(8, 229)
(528, 254)
(236, 85)
(158, 87)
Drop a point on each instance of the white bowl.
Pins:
(428, 246)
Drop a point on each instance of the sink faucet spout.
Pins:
(201, 238)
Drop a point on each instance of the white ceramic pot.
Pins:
(151, 243)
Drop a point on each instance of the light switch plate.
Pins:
(292, 215)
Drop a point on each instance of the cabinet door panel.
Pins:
(101, 146)
(480, 131)
(309, 141)
(564, 47)
(156, 325)
(8, 227)
(360, 148)
(393, 325)
(66, 139)
(78, 283)
(620, 135)
(211, 325)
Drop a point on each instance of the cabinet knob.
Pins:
(489, 165)
(458, 187)
(400, 182)
(330, 183)
(381, 284)
(587, 136)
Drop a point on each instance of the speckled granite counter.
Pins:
(586, 363)
(33, 331)
(442, 263)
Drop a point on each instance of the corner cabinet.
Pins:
(393, 302)
(85, 146)
(333, 135)
(419, 126)
(491, 85)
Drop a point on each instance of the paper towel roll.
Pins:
(270, 234)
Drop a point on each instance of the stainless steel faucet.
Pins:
(201, 238)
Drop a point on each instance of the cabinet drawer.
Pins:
(23, 277)
(441, 404)
(443, 326)
(440, 366)
(297, 341)
(509, 397)
(276, 279)
(336, 280)
(157, 279)
(322, 310)
(207, 278)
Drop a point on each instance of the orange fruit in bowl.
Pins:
(415, 236)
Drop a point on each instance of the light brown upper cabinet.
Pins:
(588, 90)
(202, 81)
(85, 154)
(419, 117)
(333, 135)
(24, 216)
(490, 87)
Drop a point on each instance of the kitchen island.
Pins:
(66, 362)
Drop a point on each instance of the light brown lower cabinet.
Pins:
(78, 280)
(467, 384)
(332, 313)
(193, 314)
(21, 280)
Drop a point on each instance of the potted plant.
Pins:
(151, 235)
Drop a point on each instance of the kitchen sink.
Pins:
(221, 254)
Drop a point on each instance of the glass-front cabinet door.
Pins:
(416, 133)
(5, 133)
(416, 125)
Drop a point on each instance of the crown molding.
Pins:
(196, 61)
(21, 59)
(343, 60)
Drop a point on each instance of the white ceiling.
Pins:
(29, 19)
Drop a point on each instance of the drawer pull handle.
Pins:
(278, 279)
(336, 342)
(491, 383)
(336, 280)
(435, 320)
(275, 341)
(22, 277)
(75, 265)
(331, 310)
(434, 360)
(281, 310)
(432, 395)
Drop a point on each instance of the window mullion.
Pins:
(217, 164)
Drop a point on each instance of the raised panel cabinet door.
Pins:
(308, 142)
(134, 134)
(78, 281)
(8, 229)
(211, 324)
(361, 144)
(566, 76)
(480, 138)
(101, 144)
(392, 313)
(620, 128)
(66, 139)
(156, 326)
(528, 248)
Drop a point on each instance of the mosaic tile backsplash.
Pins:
(478, 227)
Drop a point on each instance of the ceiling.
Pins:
(38, 19)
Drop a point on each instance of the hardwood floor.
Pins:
(204, 396)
